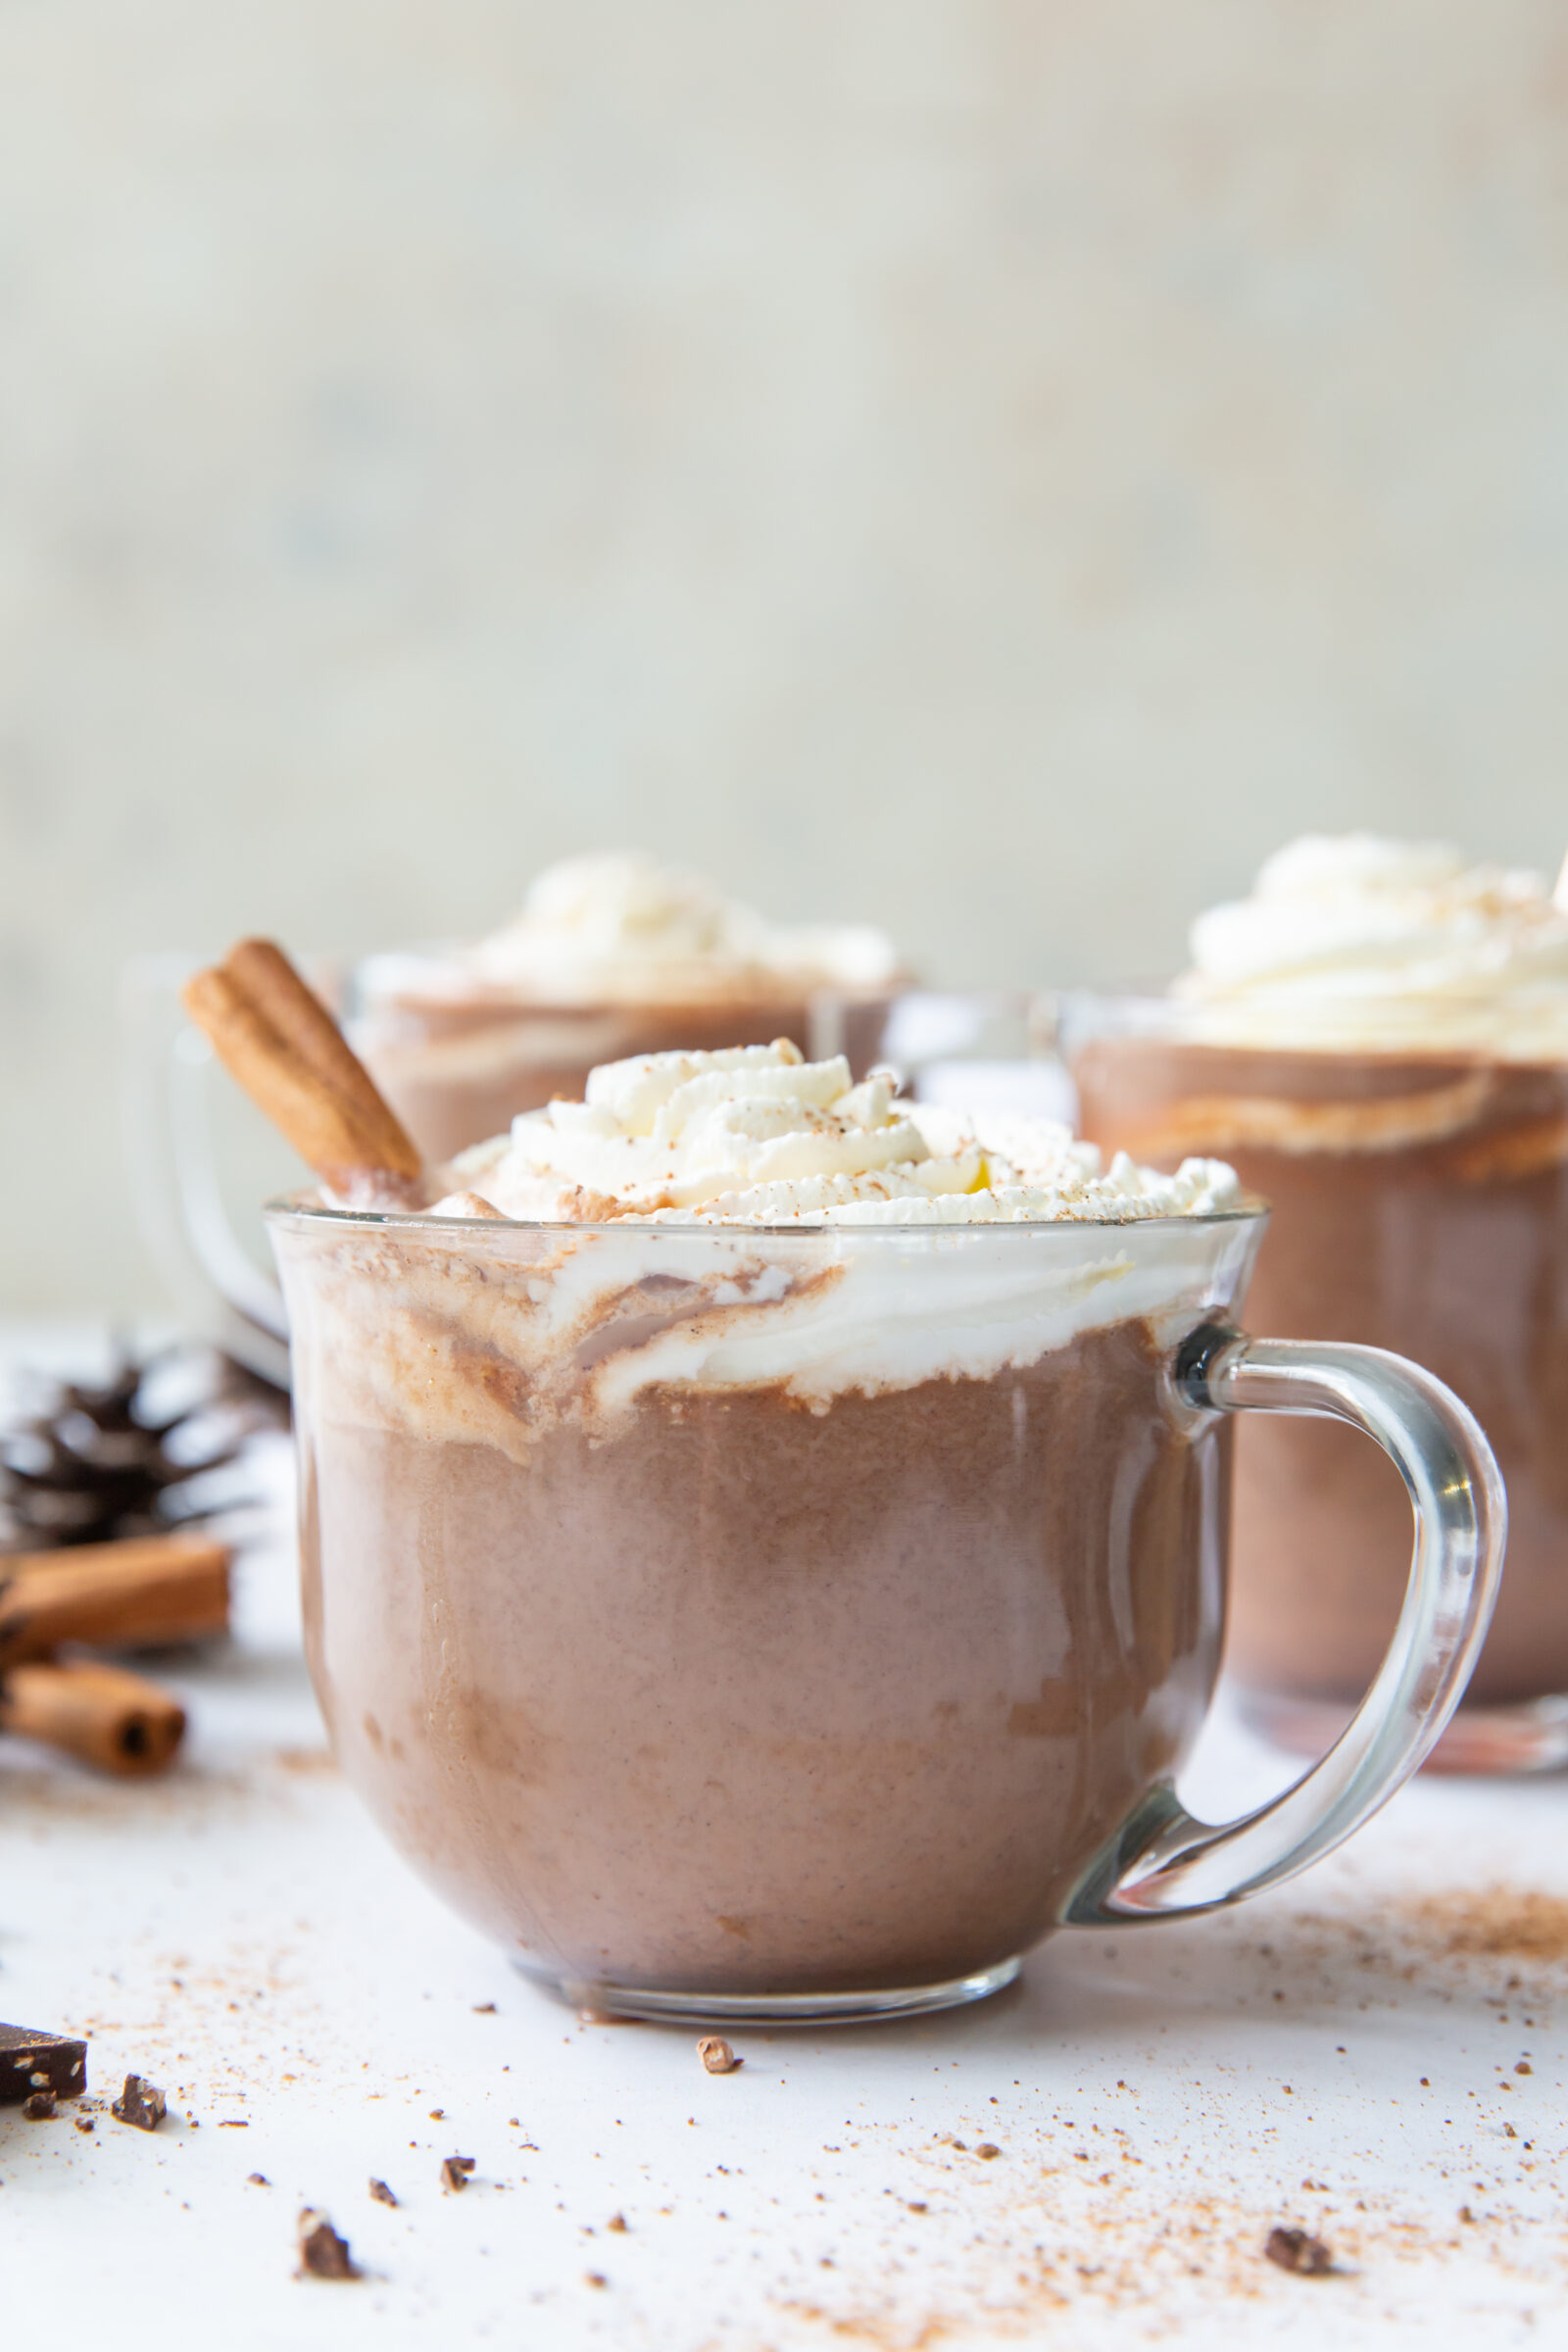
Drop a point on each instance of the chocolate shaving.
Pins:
(716, 2055)
(30, 2062)
(1296, 2250)
(322, 2253)
(381, 2193)
(455, 2170)
(140, 2103)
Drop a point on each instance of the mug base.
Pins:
(597, 1999)
(1530, 1736)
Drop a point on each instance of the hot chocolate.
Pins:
(791, 1577)
(1378, 1040)
(611, 956)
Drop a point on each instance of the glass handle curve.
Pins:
(166, 1125)
(1167, 1864)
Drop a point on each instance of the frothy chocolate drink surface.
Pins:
(1406, 1118)
(784, 1567)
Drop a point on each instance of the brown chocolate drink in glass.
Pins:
(1378, 1040)
(611, 956)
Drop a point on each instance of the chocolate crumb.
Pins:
(484, 2008)
(618, 2222)
(140, 2103)
(39, 2106)
(716, 2055)
(322, 2253)
(437, 2115)
(257, 2181)
(1295, 2250)
(595, 2278)
(1465, 2213)
(381, 2193)
(988, 2148)
(455, 2170)
(1524, 2067)
(83, 2123)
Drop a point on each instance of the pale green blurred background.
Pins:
(987, 466)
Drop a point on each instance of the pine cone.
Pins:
(96, 1466)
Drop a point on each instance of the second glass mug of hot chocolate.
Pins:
(802, 1623)
(1390, 1068)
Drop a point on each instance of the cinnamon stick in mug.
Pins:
(278, 1038)
(117, 1721)
(136, 1594)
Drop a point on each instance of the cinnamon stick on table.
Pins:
(278, 1040)
(100, 1713)
(136, 1594)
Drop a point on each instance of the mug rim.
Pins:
(287, 1209)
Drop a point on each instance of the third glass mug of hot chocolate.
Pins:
(1378, 1040)
(765, 1548)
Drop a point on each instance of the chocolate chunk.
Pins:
(455, 2170)
(618, 2222)
(322, 2253)
(30, 2062)
(988, 2148)
(1295, 2250)
(381, 2193)
(140, 2103)
(39, 2106)
(716, 2055)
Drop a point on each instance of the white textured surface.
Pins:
(983, 467)
(1159, 2099)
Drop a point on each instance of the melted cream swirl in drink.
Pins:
(749, 1220)
(1357, 942)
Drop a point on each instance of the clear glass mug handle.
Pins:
(167, 1070)
(1165, 1863)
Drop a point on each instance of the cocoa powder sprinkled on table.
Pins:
(1493, 1922)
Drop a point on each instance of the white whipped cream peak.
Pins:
(620, 926)
(1381, 937)
(759, 1136)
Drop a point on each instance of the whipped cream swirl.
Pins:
(622, 929)
(1355, 940)
(759, 1136)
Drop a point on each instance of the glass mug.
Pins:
(457, 1067)
(801, 1624)
(1420, 1204)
